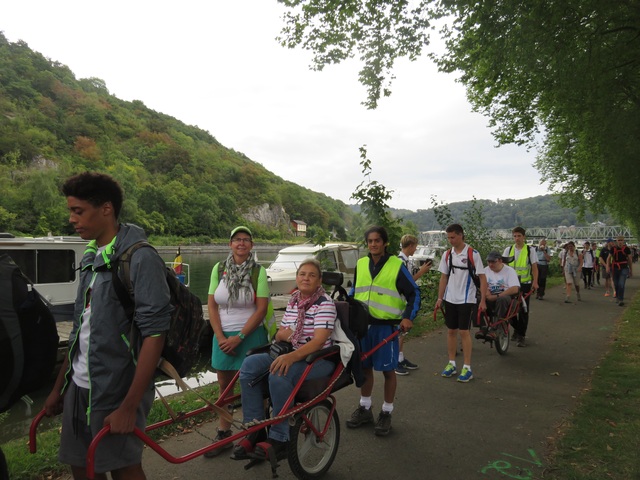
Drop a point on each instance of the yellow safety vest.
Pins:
(380, 293)
(521, 265)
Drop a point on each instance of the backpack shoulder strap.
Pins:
(470, 255)
(124, 290)
(220, 267)
(255, 274)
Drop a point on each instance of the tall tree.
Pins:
(372, 197)
(563, 77)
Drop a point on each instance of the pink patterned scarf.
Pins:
(303, 305)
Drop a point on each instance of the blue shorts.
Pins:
(386, 357)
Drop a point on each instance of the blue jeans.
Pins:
(619, 279)
(280, 387)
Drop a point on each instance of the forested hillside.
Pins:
(541, 211)
(178, 180)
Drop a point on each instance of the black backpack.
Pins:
(182, 342)
(28, 336)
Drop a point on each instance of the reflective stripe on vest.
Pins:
(520, 265)
(380, 293)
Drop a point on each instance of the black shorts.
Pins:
(458, 316)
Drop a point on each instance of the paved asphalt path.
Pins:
(497, 426)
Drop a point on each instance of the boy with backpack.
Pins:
(620, 263)
(462, 282)
(525, 262)
(588, 264)
(107, 376)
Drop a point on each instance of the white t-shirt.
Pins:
(562, 255)
(587, 258)
(460, 288)
(500, 281)
(234, 318)
(80, 363)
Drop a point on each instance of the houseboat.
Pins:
(52, 263)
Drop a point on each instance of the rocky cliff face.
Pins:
(273, 217)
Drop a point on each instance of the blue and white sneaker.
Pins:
(465, 375)
(449, 371)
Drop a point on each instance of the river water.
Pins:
(15, 423)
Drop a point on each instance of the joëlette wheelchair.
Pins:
(310, 410)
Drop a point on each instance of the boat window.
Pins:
(45, 266)
(350, 258)
(327, 260)
(289, 260)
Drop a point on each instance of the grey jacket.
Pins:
(111, 361)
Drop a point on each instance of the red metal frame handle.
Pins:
(32, 430)
(435, 312)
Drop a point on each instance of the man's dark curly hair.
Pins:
(95, 188)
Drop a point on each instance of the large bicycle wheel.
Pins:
(502, 338)
(309, 455)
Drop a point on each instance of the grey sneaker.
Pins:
(521, 342)
(383, 425)
(222, 434)
(360, 416)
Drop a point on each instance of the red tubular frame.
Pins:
(227, 397)
(514, 309)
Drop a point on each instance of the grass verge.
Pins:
(600, 439)
(44, 465)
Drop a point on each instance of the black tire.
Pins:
(502, 338)
(308, 457)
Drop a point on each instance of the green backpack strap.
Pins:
(270, 322)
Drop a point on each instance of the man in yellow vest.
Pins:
(526, 264)
(383, 282)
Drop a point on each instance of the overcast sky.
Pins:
(216, 64)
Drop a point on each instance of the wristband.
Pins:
(241, 336)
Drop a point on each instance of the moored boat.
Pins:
(334, 257)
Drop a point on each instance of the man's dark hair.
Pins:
(519, 230)
(380, 231)
(95, 188)
(455, 228)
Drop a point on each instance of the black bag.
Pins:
(280, 348)
(28, 336)
(182, 342)
(358, 320)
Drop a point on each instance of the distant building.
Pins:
(299, 228)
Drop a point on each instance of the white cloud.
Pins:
(217, 65)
